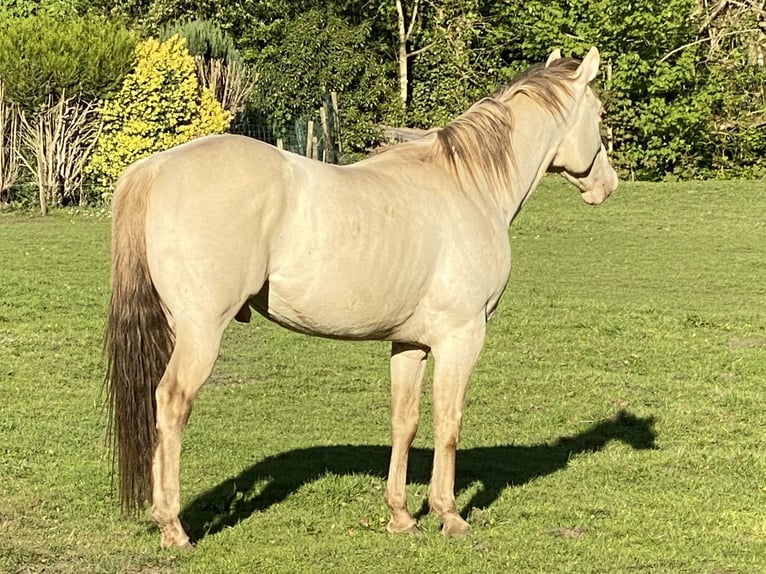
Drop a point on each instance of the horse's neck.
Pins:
(535, 138)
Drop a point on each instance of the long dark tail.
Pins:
(138, 343)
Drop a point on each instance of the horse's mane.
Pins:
(479, 138)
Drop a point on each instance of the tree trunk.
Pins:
(404, 32)
(402, 53)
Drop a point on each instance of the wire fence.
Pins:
(292, 139)
(317, 138)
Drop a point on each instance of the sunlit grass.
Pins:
(614, 422)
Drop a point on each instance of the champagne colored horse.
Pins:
(409, 246)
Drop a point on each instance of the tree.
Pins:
(733, 41)
(405, 27)
(682, 79)
(54, 69)
(316, 53)
(652, 106)
(451, 69)
(218, 63)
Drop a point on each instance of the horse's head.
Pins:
(581, 157)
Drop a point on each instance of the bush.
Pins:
(9, 148)
(10, 9)
(160, 105)
(203, 38)
(453, 70)
(43, 58)
(219, 65)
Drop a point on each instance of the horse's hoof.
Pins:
(175, 540)
(455, 527)
(409, 527)
(183, 546)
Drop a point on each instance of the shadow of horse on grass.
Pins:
(494, 467)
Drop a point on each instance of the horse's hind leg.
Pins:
(190, 365)
(407, 368)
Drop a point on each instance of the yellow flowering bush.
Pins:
(160, 105)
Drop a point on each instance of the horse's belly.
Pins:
(339, 311)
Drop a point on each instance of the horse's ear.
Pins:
(555, 55)
(589, 66)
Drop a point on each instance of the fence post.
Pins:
(309, 138)
(327, 151)
(608, 125)
(336, 123)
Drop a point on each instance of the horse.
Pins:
(408, 246)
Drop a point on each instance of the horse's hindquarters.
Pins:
(208, 227)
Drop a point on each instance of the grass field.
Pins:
(615, 422)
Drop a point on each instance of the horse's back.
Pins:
(214, 166)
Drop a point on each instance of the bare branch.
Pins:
(413, 20)
(702, 41)
(230, 83)
(420, 50)
(10, 144)
(722, 5)
(750, 5)
(60, 137)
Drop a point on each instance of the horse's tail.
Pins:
(138, 343)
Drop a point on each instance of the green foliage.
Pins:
(42, 57)
(314, 54)
(736, 90)
(678, 105)
(673, 111)
(159, 106)
(10, 9)
(203, 38)
(450, 70)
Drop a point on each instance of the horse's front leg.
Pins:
(407, 368)
(189, 367)
(454, 359)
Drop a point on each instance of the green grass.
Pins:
(614, 422)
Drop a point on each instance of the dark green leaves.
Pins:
(43, 57)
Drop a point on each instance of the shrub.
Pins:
(9, 147)
(57, 140)
(43, 58)
(160, 105)
(203, 38)
(10, 9)
(218, 63)
(451, 71)
(682, 101)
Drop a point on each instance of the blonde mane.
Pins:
(478, 140)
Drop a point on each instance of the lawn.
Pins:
(615, 421)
